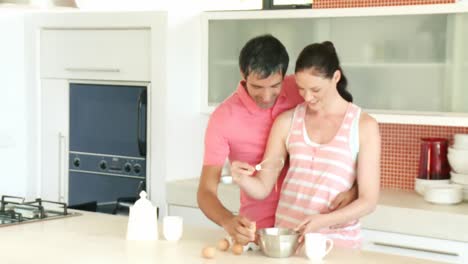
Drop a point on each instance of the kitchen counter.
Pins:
(398, 211)
(99, 238)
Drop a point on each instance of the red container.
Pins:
(433, 163)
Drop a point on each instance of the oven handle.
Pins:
(142, 101)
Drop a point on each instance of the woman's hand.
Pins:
(311, 223)
(239, 170)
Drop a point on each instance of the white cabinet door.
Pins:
(192, 216)
(98, 54)
(54, 140)
(415, 246)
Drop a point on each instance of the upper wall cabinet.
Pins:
(103, 54)
(397, 59)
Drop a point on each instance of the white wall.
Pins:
(13, 107)
(186, 125)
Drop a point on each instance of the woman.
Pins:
(329, 141)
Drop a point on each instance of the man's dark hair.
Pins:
(263, 55)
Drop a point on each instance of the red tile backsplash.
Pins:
(400, 151)
(368, 3)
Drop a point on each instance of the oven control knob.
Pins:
(103, 165)
(128, 167)
(137, 168)
(76, 162)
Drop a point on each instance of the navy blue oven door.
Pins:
(107, 159)
(108, 119)
(102, 190)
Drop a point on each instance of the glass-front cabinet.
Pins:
(404, 60)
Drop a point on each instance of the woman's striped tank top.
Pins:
(317, 173)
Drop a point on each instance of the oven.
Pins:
(107, 144)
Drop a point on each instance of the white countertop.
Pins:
(398, 211)
(99, 238)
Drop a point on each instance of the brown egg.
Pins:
(208, 252)
(237, 249)
(223, 244)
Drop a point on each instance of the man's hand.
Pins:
(241, 169)
(241, 229)
(344, 198)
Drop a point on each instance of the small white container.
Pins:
(444, 194)
(173, 227)
(421, 184)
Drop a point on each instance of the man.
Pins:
(239, 128)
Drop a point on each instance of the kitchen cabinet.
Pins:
(97, 54)
(54, 137)
(91, 56)
(416, 246)
(398, 60)
(102, 48)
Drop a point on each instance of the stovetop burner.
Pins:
(15, 210)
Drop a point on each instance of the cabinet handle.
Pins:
(92, 70)
(417, 252)
(61, 167)
(416, 249)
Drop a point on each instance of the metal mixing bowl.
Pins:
(278, 242)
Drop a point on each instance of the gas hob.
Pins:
(15, 210)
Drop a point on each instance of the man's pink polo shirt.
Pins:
(239, 129)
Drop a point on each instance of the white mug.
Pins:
(172, 227)
(317, 246)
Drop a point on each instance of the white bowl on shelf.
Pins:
(420, 185)
(460, 141)
(459, 147)
(457, 151)
(458, 160)
(459, 178)
(444, 194)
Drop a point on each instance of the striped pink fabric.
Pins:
(317, 173)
